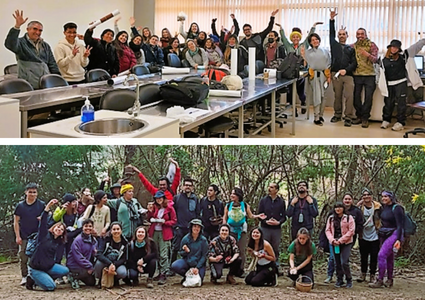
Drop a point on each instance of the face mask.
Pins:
(271, 40)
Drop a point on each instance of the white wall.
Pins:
(53, 14)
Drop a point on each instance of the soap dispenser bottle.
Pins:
(87, 111)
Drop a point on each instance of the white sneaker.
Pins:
(385, 124)
(23, 281)
(397, 127)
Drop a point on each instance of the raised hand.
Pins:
(275, 12)
(75, 50)
(333, 13)
(117, 20)
(132, 21)
(80, 36)
(19, 18)
(277, 24)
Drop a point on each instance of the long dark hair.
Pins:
(307, 248)
(118, 45)
(251, 241)
(147, 239)
(136, 48)
(190, 34)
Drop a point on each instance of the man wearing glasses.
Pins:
(302, 209)
(369, 242)
(187, 207)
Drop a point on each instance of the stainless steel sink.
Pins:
(111, 126)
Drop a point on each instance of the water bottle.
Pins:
(87, 111)
(395, 250)
(336, 249)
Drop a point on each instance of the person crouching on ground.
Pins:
(193, 250)
(223, 252)
(81, 256)
(43, 267)
(142, 257)
(264, 271)
(301, 257)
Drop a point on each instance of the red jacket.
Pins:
(127, 59)
(167, 227)
(151, 189)
(348, 227)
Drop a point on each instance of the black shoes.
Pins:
(335, 119)
(30, 283)
(318, 122)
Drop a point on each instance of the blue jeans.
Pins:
(331, 261)
(46, 280)
(180, 267)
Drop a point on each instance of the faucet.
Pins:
(136, 106)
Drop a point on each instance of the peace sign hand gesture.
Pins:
(87, 51)
(19, 18)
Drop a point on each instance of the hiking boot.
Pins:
(385, 124)
(29, 283)
(397, 127)
(23, 281)
(349, 284)
(318, 122)
(372, 278)
(347, 122)
(328, 279)
(231, 280)
(135, 281)
(149, 283)
(74, 282)
(322, 120)
(389, 283)
(365, 123)
(339, 283)
(362, 277)
(162, 279)
(377, 284)
(356, 121)
(127, 281)
(274, 281)
(213, 280)
(335, 119)
(170, 273)
(156, 278)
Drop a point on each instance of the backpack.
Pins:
(276, 63)
(32, 244)
(216, 85)
(409, 225)
(216, 74)
(184, 93)
(290, 66)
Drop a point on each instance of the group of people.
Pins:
(111, 233)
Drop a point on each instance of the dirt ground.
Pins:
(408, 284)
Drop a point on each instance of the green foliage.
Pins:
(402, 262)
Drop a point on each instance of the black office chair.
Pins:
(219, 126)
(174, 60)
(140, 70)
(16, 85)
(52, 80)
(97, 75)
(149, 93)
(119, 100)
(11, 69)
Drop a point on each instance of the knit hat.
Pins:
(68, 198)
(295, 31)
(125, 188)
(98, 196)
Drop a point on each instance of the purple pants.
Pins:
(386, 257)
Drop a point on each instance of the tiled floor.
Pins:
(307, 129)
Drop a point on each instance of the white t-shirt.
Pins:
(158, 226)
(369, 229)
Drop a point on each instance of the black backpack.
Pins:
(184, 93)
(290, 66)
(32, 244)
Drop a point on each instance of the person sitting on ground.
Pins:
(196, 56)
(99, 213)
(163, 218)
(44, 266)
(125, 54)
(142, 257)
(112, 254)
(80, 258)
(301, 257)
(67, 214)
(223, 252)
(340, 229)
(33, 55)
(193, 250)
(163, 182)
(264, 271)
(103, 54)
(71, 56)
(192, 33)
